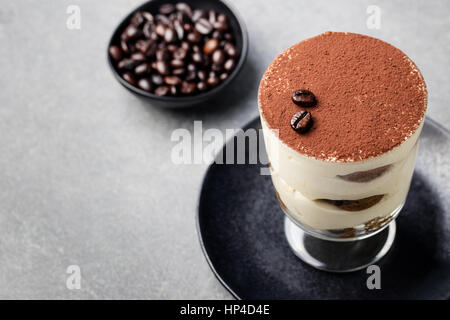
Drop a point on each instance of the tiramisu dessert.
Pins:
(342, 114)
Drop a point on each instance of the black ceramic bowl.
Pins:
(237, 27)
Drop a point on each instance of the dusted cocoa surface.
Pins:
(370, 96)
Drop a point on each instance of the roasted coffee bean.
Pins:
(212, 16)
(187, 27)
(191, 67)
(216, 67)
(178, 71)
(127, 64)
(128, 76)
(194, 37)
(153, 36)
(147, 29)
(148, 16)
(125, 47)
(197, 57)
(304, 98)
(230, 50)
(162, 54)
(185, 45)
(301, 121)
(203, 26)
(160, 18)
(210, 46)
(157, 79)
(180, 54)
(138, 56)
(160, 30)
(212, 81)
(201, 86)
(223, 76)
(184, 7)
(178, 29)
(201, 75)
(195, 48)
(162, 67)
(218, 57)
(173, 90)
(162, 90)
(172, 80)
(145, 84)
(137, 19)
(190, 76)
(167, 8)
(142, 69)
(197, 14)
(169, 35)
(229, 64)
(228, 36)
(221, 23)
(115, 53)
(175, 63)
(187, 87)
(172, 48)
(131, 32)
(217, 35)
(149, 48)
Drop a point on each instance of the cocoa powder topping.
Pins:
(370, 96)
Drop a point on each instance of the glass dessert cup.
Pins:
(340, 216)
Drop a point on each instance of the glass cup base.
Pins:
(339, 256)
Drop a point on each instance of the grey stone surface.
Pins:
(85, 170)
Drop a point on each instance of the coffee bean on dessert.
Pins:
(218, 57)
(203, 26)
(172, 80)
(166, 8)
(162, 90)
(128, 76)
(157, 79)
(142, 69)
(115, 53)
(304, 98)
(229, 64)
(145, 84)
(210, 46)
(301, 121)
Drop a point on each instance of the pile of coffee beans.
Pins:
(178, 51)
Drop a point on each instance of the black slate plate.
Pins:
(241, 232)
